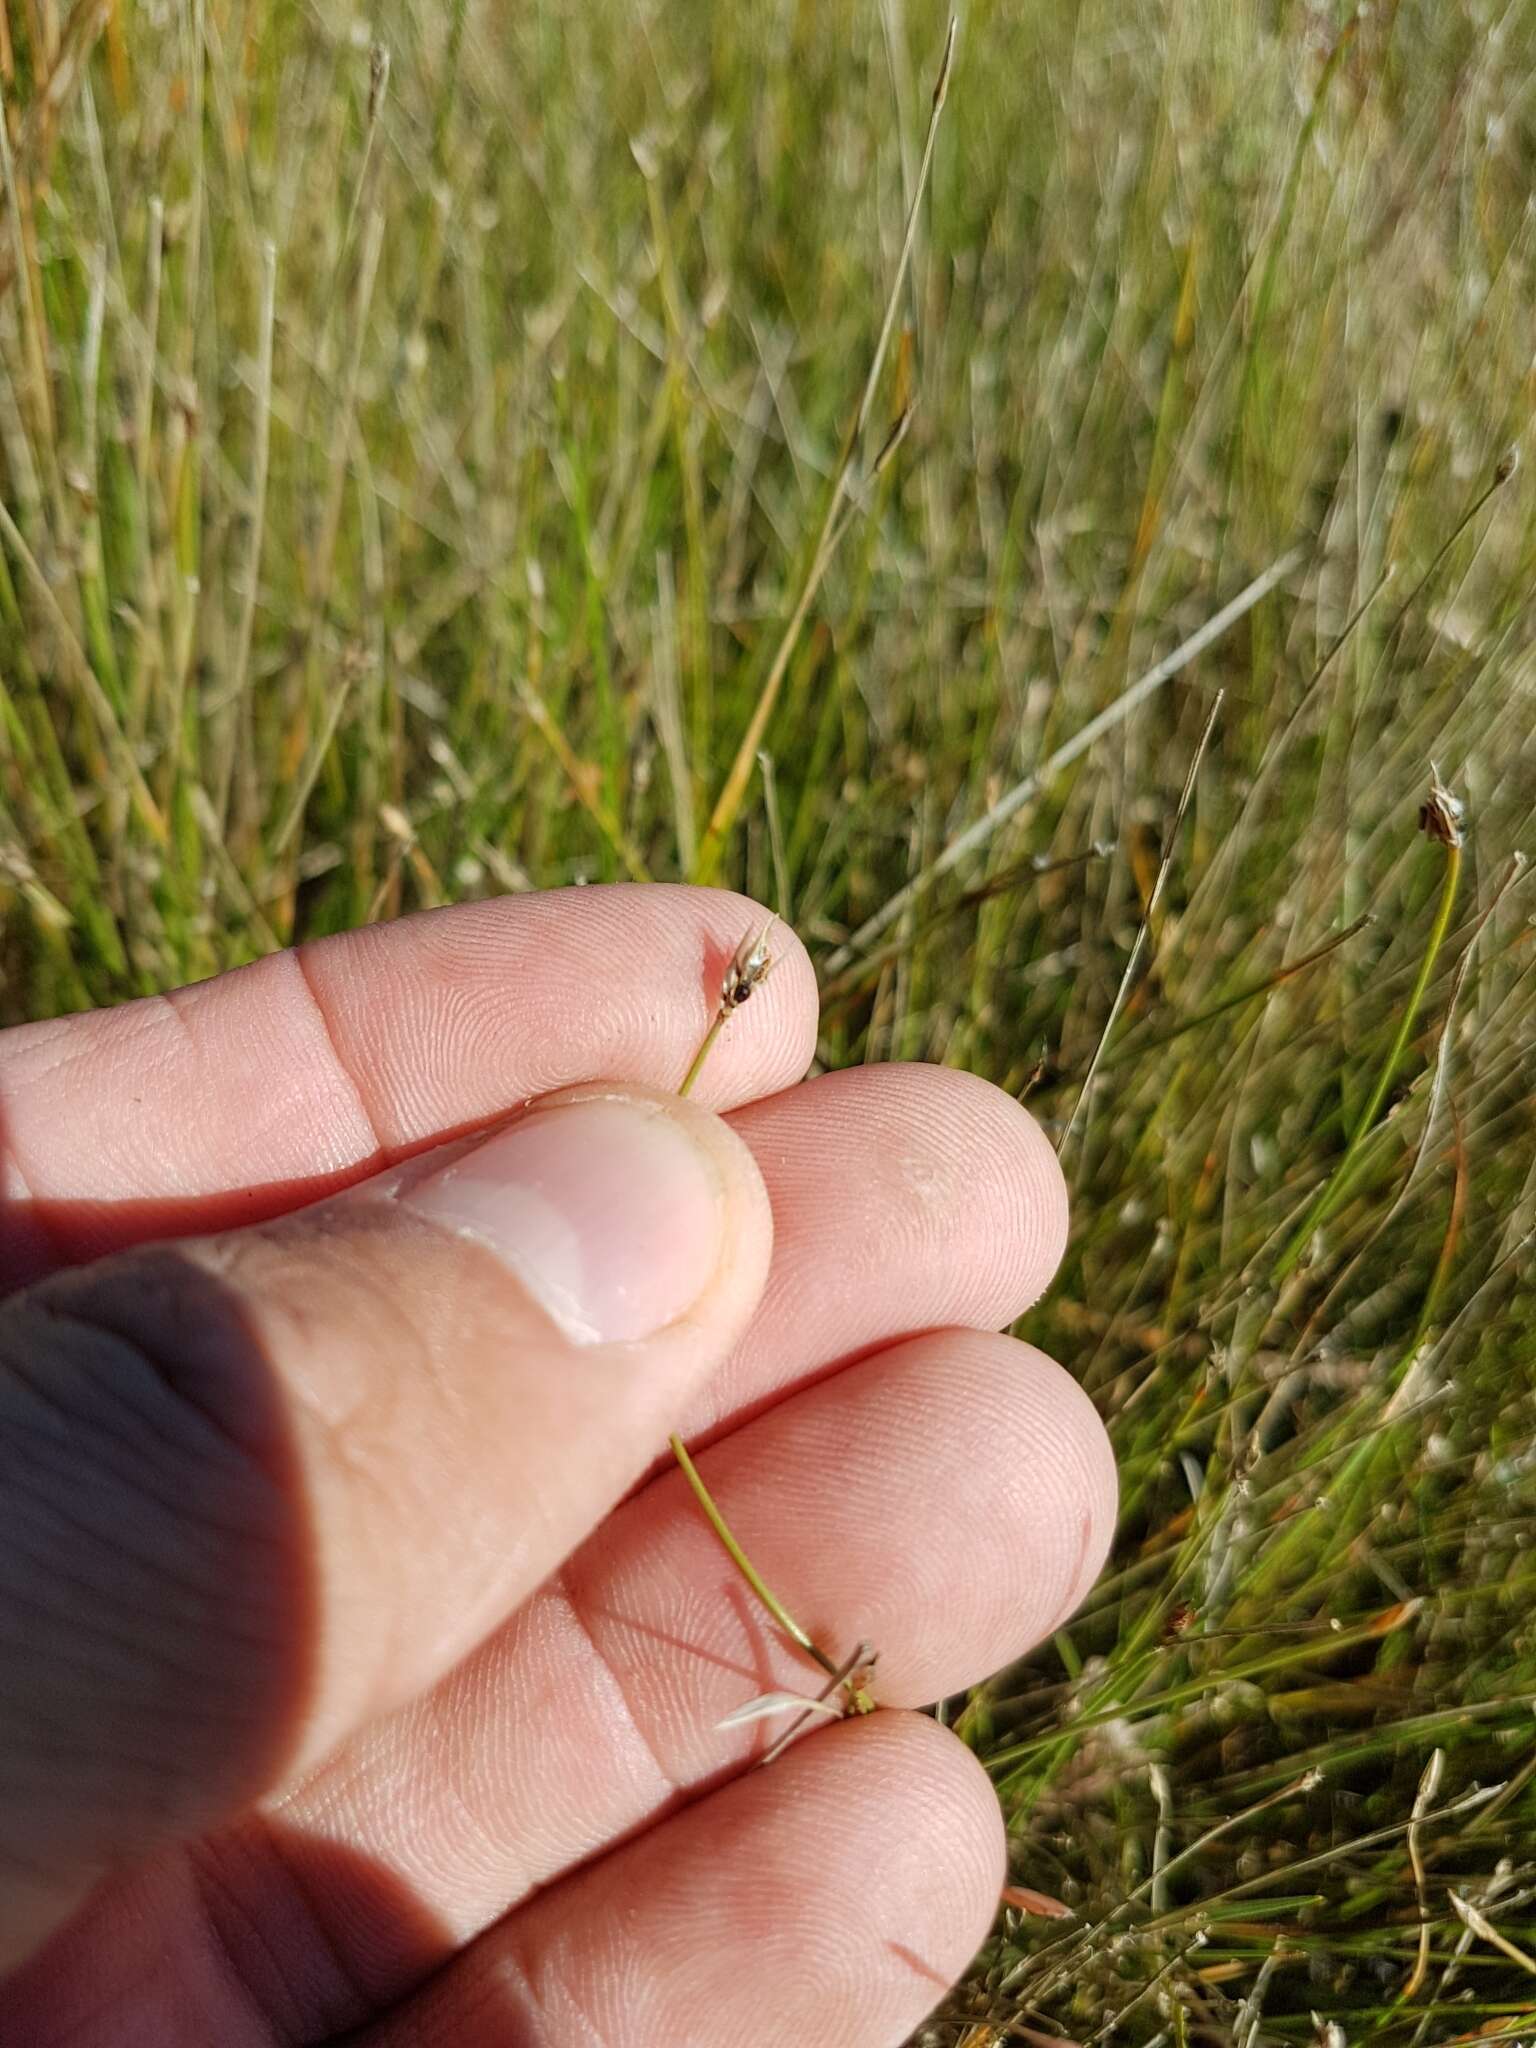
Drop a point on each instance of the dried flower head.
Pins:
(1441, 815)
(1180, 1621)
(751, 963)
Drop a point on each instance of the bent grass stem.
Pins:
(749, 967)
(706, 1047)
(744, 1564)
(1333, 1189)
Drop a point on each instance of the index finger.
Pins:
(244, 1096)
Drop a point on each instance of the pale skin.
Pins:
(362, 1654)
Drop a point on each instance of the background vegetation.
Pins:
(415, 429)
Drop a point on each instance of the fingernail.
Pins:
(608, 1210)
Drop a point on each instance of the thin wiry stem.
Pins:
(849, 1673)
(744, 1564)
(1246, 994)
(749, 967)
(1504, 469)
(1332, 1191)
(833, 526)
(1164, 869)
(706, 1047)
(1429, 1784)
(1013, 801)
(238, 709)
(1068, 1954)
(775, 832)
(86, 679)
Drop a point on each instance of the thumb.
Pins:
(255, 1489)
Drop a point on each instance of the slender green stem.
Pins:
(744, 1564)
(702, 1494)
(833, 525)
(1132, 1051)
(1446, 1260)
(706, 1047)
(1332, 1190)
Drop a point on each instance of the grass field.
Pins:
(416, 433)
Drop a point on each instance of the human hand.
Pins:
(363, 1656)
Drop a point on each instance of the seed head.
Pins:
(378, 79)
(1442, 814)
(751, 963)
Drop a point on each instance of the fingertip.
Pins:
(961, 1838)
(1011, 1155)
(935, 1193)
(1046, 1190)
(973, 1508)
(446, 1018)
(898, 1849)
(1056, 1491)
(1082, 1480)
(837, 1896)
(779, 1025)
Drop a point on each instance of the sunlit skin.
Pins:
(503, 1807)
